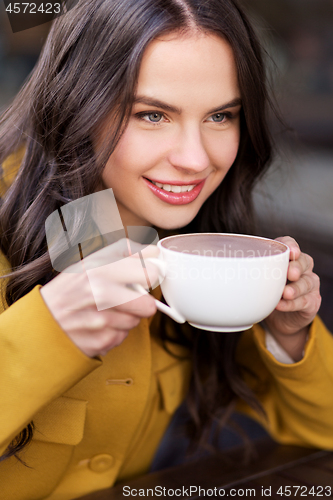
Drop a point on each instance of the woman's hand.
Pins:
(73, 294)
(300, 302)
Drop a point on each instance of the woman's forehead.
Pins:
(197, 66)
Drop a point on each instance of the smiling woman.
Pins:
(164, 102)
(183, 133)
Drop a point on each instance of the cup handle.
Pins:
(175, 315)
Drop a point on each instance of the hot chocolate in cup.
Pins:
(223, 282)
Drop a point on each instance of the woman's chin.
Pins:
(173, 225)
(168, 220)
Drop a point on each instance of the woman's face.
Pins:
(183, 134)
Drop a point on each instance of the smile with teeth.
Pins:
(174, 189)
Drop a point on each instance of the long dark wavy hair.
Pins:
(87, 73)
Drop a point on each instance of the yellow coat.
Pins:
(98, 421)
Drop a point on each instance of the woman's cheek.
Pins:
(144, 150)
(224, 152)
(232, 155)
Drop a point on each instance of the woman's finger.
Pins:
(300, 266)
(142, 307)
(118, 251)
(99, 343)
(98, 321)
(295, 250)
(303, 286)
(117, 320)
(303, 303)
(125, 271)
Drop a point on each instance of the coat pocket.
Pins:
(62, 421)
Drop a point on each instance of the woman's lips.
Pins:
(176, 198)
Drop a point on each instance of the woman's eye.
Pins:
(218, 117)
(153, 117)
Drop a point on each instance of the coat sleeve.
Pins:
(38, 363)
(297, 398)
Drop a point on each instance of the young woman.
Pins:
(144, 97)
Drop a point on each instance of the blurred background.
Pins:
(295, 197)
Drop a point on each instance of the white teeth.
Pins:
(187, 188)
(174, 189)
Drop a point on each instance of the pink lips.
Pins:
(177, 198)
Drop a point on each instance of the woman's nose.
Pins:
(189, 152)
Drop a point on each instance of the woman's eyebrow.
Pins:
(148, 101)
(157, 104)
(231, 104)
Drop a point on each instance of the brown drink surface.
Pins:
(217, 245)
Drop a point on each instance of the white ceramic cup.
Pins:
(222, 282)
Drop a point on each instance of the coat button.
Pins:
(101, 463)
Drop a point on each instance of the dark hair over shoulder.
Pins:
(87, 73)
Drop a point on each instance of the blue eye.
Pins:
(218, 117)
(154, 117)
